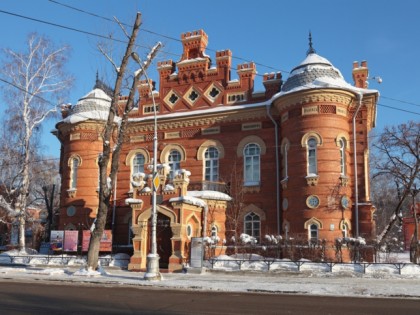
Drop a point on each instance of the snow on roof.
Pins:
(190, 200)
(93, 106)
(209, 194)
(316, 72)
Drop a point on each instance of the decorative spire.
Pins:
(99, 84)
(311, 49)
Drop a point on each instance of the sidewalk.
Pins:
(231, 281)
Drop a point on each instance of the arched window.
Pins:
(211, 158)
(138, 163)
(252, 154)
(343, 146)
(174, 161)
(313, 232)
(252, 225)
(74, 167)
(312, 156)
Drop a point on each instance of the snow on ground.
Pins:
(378, 280)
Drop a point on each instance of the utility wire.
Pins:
(109, 38)
(178, 40)
(158, 34)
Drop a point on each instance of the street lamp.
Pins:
(152, 260)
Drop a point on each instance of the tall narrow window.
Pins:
(74, 169)
(285, 162)
(313, 233)
(174, 161)
(130, 232)
(211, 161)
(138, 163)
(312, 156)
(252, 164)
(343, 145)
(252, 225)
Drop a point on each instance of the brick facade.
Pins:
(199, 107)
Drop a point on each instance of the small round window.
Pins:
(71, 211)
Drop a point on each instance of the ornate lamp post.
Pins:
(152, 260)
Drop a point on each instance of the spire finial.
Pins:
(311, 49)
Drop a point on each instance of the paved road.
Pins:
(47, 299)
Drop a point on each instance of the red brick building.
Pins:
(278, 161)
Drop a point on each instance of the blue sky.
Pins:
(272, 33)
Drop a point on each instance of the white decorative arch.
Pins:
(340, 136)
(248, 140)
(130, 156)
(311, 221)
(164, 155)
(210, 143)
(311, 134)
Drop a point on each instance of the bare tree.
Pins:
(236, 190)
(34, 79)
(397, 159)
(111, 129)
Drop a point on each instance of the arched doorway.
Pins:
(163, 239)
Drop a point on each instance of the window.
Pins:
(343, 145)
(138, 163)
(252, 225)
(130, 232)
(345, 229)
(214, 231)
(211, 162)
(285, 160)
(312, 156)
(174, 161)
(313, 232)
(74, 169)
(252, 164)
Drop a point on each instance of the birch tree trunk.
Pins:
(106, 183)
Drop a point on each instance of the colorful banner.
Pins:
(71, 238)
(105, 243)
(56, 240)
(85, 240)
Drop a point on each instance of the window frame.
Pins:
(252, 165)
(174, 163)
(343, 158)
(311, 238)
(211, 164)
(74, 170)
(253, 218)
(134, 164)
(312, 156)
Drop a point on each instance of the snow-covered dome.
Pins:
(94, 106)
(93, 101)
(314, 72)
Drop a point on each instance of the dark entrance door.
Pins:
(163, 239)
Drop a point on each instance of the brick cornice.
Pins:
(314, 96)
(199, 121)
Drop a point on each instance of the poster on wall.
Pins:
(71, 238)
(105, 243)
(56, 240)
(85, 240)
